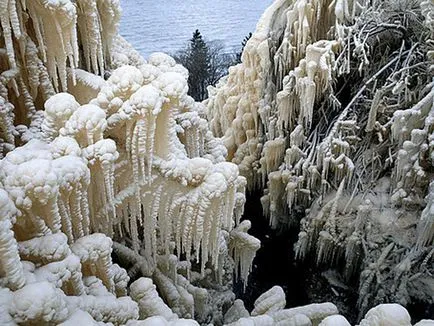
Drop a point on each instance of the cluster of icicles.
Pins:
(58, 26)
(127, 164)
(264, 112)
(42, 45)
(265, 108)
(117, 167)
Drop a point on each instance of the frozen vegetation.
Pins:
(121, 198)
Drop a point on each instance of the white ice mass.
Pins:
(103, 154)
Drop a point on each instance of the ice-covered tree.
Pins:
(330, 116)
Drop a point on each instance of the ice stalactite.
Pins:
(86, 125)
(101, 157)
(244, 248)
(142, 113)
(97, 25)
(411, 130)
(313, 77)
(42, 40)
(72, 198)
(144, 106)
(303, 76)
(55, 28)
(10, 25)
(89, 27)
(327, 237)
(239, 120)
(193, 131)
(304, 72)
(273, 153)
(120, 279)
(140, 187)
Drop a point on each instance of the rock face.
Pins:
(104, 154)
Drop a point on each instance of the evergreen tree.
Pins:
(206, 64)
(196, 60)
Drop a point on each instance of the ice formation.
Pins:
(330, 115)
(110, 174)
(125, 164)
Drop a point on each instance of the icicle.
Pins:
(76, 214)
(151, 138)
(90, 32)
(84, 206)
(9, 23)
(373, 111)
(59, 36)
(134, 232)
(66, 220)
(141, 130)
(243, 247)
(86, 125)
(273, 153)
(150, 221)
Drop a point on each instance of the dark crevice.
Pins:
(274, 263)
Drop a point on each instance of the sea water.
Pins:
(167, 25)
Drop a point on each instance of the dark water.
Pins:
(166, 25)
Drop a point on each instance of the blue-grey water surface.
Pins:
(167, 25)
